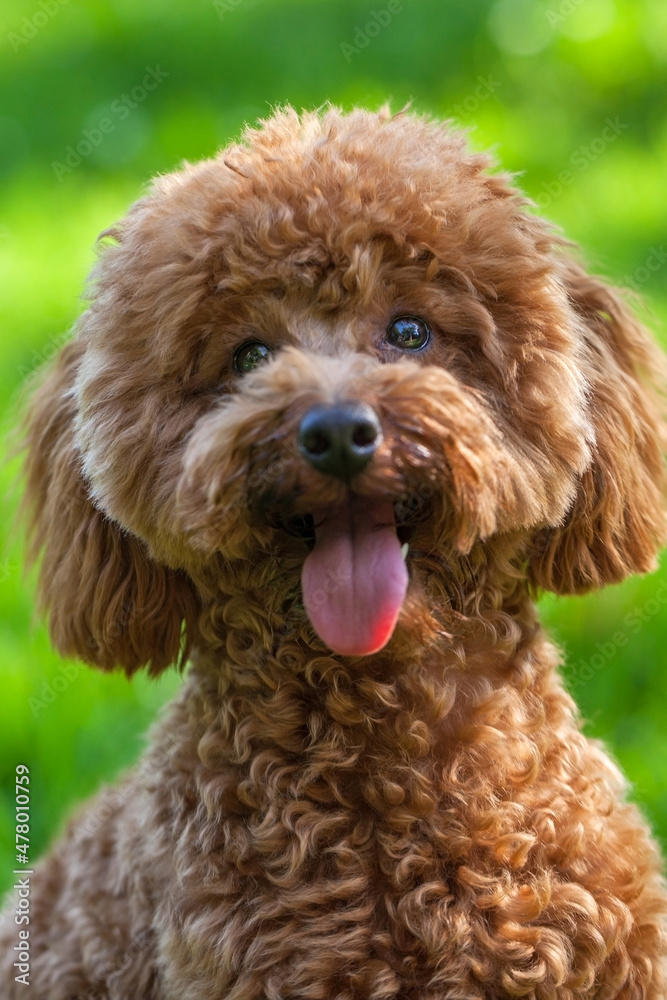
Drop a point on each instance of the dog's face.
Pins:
(343, 344)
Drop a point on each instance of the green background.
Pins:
(537, 81)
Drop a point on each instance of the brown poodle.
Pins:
(340, 406)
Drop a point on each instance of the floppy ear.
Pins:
(617, 522)
(109, 603)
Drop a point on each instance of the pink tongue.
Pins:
(355, 579)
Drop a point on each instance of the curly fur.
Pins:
(424, 822)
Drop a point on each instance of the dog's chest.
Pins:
(303, 891)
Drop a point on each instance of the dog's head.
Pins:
(338, 339)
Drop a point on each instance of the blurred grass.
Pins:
(535, 83)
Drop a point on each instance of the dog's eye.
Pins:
(409, 333)
(250, 355)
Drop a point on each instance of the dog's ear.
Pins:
(108, 602)
(617, 522)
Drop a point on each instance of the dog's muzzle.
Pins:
(339, 440)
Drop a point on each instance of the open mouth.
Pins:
(303, 526)
(354, 579)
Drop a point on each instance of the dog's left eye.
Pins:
(250, 355)
(409, 333)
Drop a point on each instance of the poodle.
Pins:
(340, 407)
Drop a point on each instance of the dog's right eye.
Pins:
(250, 355)
(408, 333)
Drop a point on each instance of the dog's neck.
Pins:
(270, 706)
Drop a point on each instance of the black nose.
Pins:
(340, 440)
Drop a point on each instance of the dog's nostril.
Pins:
(316, 442)
(365, 433)
(340, 440)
